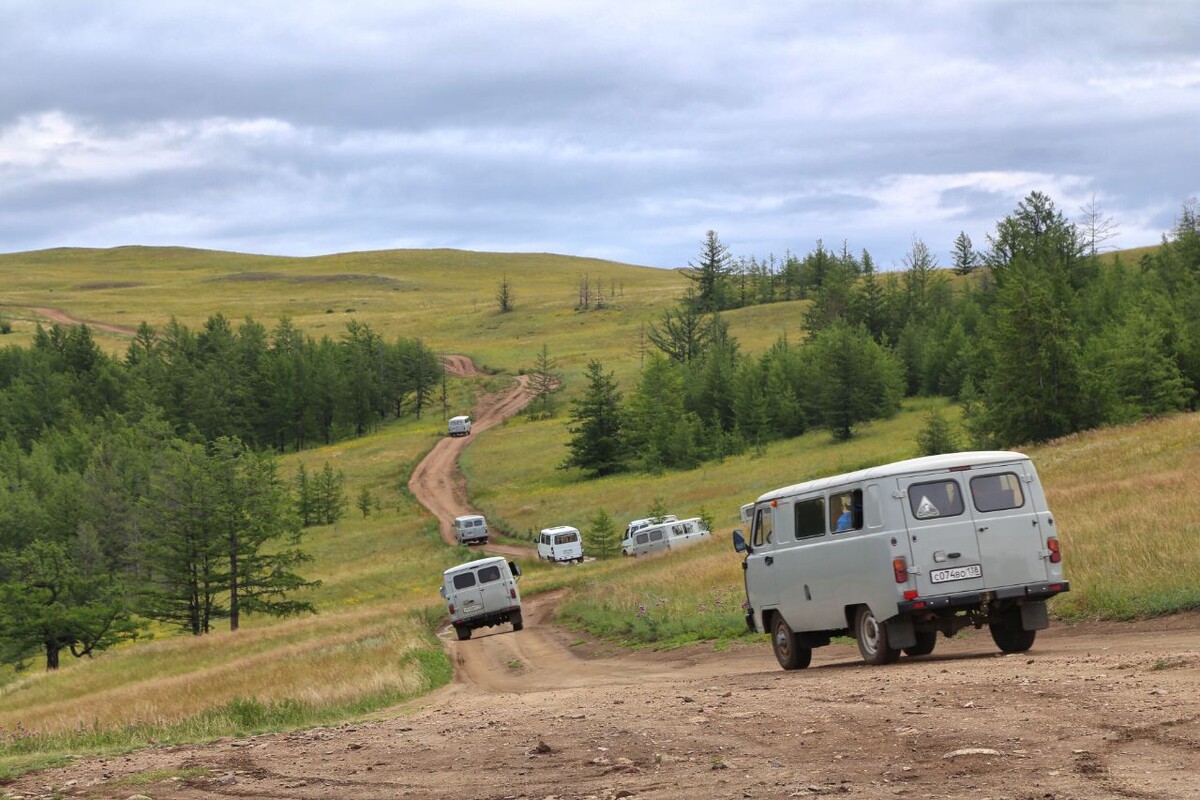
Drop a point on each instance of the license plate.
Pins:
(956, 573)
(471, 605)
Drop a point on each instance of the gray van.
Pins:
(471, 529)
(481, 594)
(895, 554)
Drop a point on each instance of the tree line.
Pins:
(1037, 337)
(274, 389)
(147, 488)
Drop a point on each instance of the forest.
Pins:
(146, 488)
(1038, 336)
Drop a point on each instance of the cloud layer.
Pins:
(619, 131)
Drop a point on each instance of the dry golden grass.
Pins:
(1128, 514)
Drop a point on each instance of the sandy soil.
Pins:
(1102, 710)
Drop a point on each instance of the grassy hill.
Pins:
(372, 642)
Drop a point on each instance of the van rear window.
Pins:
(489, 574)
(997, 492)
(566, 538)
(935, 499)
(464, 580)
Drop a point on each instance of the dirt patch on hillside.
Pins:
(63, 318)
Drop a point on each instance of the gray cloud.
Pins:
(587, 128)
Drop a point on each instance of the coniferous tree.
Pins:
(602, 537)
(966, 260)
(711, 274)
(598, 444)
(936, 437)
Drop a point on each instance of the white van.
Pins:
(894, 554)
(471, 529)
(560, 544)
(637, 524)
(482, 593)
(460, 426)
(665, 536)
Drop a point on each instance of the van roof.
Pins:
(909, 466)
(560, 529)
(461, 417)
(465, 517)
(477, 563)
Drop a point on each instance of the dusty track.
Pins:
(1096, 711)
(437, 482)
(62, 317)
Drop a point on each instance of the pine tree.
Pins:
(597, 445)
(965, 257)
(937, 436)
(602, 537)
(711, 274)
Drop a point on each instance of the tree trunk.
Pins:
(52, 649)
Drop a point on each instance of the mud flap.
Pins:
(1034, 616)
(900, 633)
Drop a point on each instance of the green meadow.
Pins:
(1122, 497)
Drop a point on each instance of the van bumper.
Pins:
(487, 620)
(1031, 591)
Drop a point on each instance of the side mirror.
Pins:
(739, 543)
(442, 591)
(516, 568)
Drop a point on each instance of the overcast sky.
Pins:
(620, 130)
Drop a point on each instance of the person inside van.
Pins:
(846, 521)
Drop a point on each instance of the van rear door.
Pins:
(1008, 525)
(941, 532)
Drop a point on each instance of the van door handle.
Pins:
(954, 555)
(983, 528)
(769, 560)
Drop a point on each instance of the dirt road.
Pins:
(63, 318)
(437, 482)
(1095, 711)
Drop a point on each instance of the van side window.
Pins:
(935, 499)
(997, 492)
(656, 536)
(464, 580)
(810, 518)
(489, 574)
(846, 511)
(764, 521)
(642, 538)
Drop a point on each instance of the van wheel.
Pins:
(463, 632)
(1008, 634)
(516, 620)
(924, 646)
(786, 644)
(872, 638)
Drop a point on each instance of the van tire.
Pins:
(924, 646)
(516, 620)
(786, 645)
(463, 632)
(872, 638)
(1008, 634)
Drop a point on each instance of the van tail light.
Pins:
(452, 608)
(900, 569)
(1055, 554)
(512, 592)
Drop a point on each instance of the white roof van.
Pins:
(665, 536)
(895, 554)
(482, 593)
(560, 544)
(459, 426)
(637, 524)
(471, 529)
